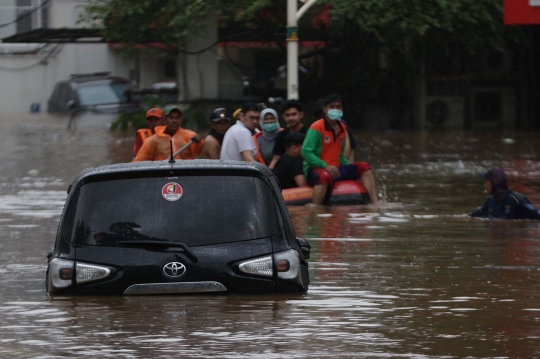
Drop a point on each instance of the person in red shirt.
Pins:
(154, 116)
(324, 159)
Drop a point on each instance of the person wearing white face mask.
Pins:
(266, 139)
(324, 159)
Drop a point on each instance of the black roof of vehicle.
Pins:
(97, 76)
(258, 169)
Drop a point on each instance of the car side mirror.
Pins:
(304, 246)
(71, 104)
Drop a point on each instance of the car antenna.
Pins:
(171, 160)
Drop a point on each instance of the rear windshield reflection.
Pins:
(193, 210)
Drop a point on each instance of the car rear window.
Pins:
(194, 210)
(103, 94)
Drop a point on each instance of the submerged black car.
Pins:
(185, 227)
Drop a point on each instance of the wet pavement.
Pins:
(415, 278)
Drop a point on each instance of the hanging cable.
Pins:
(51, 53)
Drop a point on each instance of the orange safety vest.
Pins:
(331, 145)
(140, 137)
(158, 146)
(259, 155)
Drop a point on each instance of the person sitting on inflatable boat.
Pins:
(266, 138)
(502, 202)
(289, 169)
(292, 114)
(158, 146)
(324, 159)
(154, 116)
(220, 123)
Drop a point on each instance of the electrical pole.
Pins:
(293, 15)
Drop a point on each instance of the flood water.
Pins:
(415, 278)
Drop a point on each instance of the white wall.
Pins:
(65, 13)
(24, 80)
(201, 69)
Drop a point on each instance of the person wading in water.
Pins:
(503, 202)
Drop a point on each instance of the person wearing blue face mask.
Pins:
(324, 159)
(266, 139)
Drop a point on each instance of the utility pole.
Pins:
(293, 15)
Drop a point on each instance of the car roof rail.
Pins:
(103, 73)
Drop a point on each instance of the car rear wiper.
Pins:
(188, 251)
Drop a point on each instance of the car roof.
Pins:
(91, 78)
(258, 169)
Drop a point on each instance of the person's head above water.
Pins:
(495, 182)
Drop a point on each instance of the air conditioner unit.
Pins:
(445, 112)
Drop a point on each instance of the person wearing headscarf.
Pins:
(503, 202)
(266, 139)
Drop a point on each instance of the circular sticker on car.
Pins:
(172, 191)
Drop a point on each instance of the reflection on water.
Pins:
(415, 278)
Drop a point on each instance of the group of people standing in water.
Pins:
(318, 156)
(299, 155)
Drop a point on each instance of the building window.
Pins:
(24, 16)
(29, 13)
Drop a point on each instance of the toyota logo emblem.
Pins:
(174, 269)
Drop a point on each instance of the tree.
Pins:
(409, 30)
(404, 31)
(167, 22)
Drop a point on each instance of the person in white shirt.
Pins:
(238, 142)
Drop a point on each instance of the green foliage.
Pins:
(136, 120)
(403, 24)
(128, 120)
(399, 24)
(406, 32)
(194, 119)
(168, 22)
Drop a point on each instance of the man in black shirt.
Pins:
(290, 170)
(292, 114)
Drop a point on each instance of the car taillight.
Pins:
(287, 266)
(260, 266)
(63, 272)
(60, 273)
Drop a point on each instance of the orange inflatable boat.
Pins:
(343, 193)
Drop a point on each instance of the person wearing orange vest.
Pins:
(158, 146)
(266, 139)
(153, 119)
(324, 159)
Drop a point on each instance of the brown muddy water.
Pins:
(414, 278)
